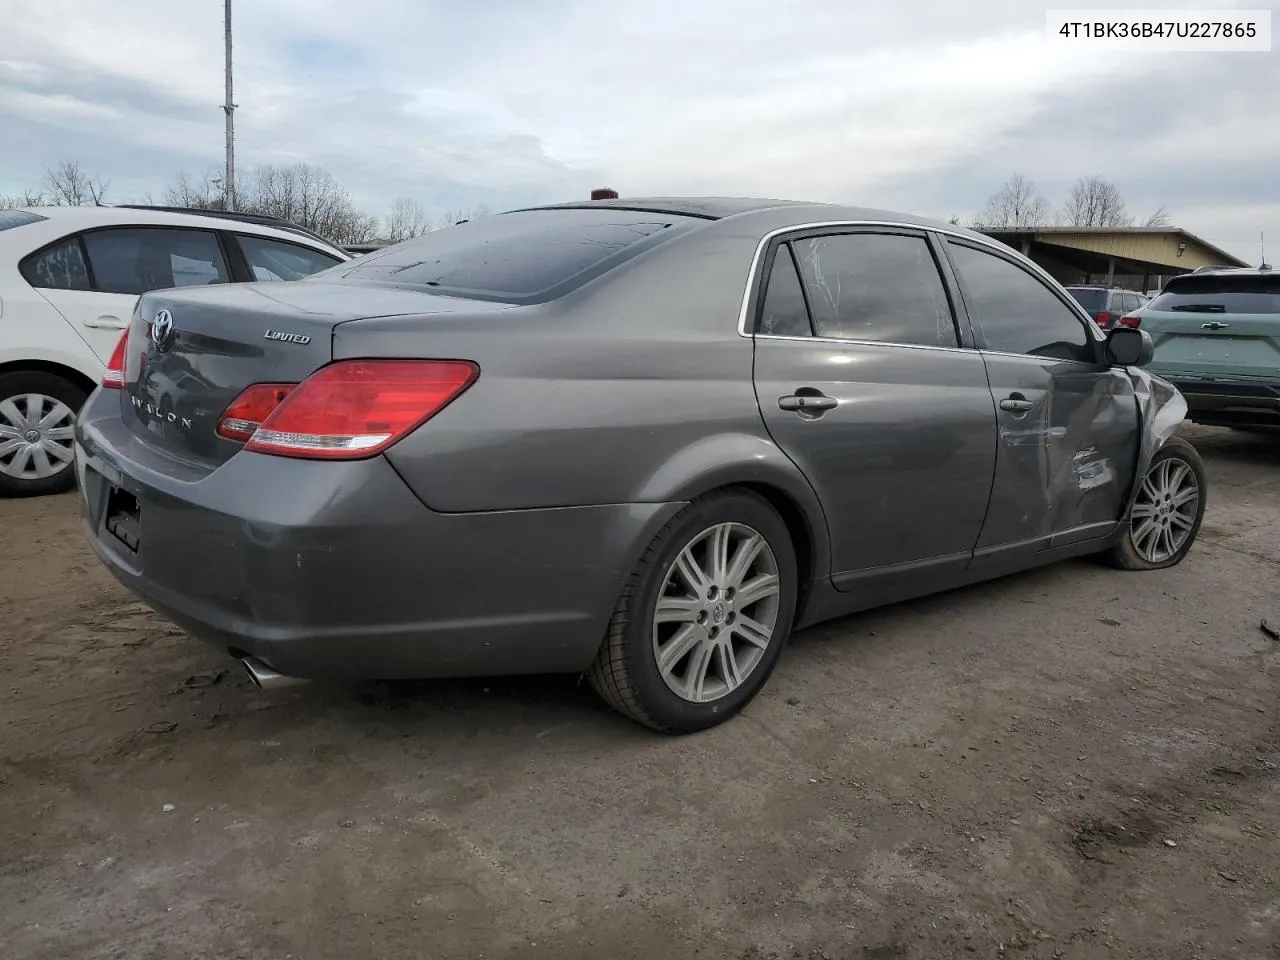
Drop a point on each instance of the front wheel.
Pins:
(1167, 512)
(703, 618)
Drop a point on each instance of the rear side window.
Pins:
(277, 260)
(18, 218)
(1090, 299)
(59, 267)
(1207, 293)
(784, 313)
(530, 256)
(134, 260)
(876, 286)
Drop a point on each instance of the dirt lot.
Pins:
(1069, 763)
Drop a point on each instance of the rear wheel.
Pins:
(37, 420)
(703, 618)
(1167, 513)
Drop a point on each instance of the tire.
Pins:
(22, 474)
(1135, 550)
(711, 624)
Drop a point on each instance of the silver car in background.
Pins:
(644, 439)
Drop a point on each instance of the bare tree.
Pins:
(460, 215)
(1016, 204)
(27, 198)
(407, 219)
(1160, 218)
(202, 194)
(67, 184)
(302, 194)
(308, 196)
(1094, 202)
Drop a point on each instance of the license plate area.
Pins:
(123, 518)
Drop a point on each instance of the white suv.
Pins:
(69, 279)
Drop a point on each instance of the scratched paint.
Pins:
(1032, 438)
(1092, 471)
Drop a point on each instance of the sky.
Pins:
(920, 106)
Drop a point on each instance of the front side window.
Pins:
(1018, 313)
(134, 260)
(784, 313)
(876, 286)
(271, 260)
(59, 267)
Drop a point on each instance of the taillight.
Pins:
(358, 408)
(1104, 318)
(1134, 322)
(113, 379)
(249, 410)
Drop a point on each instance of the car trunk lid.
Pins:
(192, 352)
(1214, 345)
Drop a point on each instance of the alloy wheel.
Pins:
(1164, 513)
(717, 612)
(36, 434)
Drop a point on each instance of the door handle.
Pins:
(1214, 325)
(106, 322)
(1016, 404)
(806, 402)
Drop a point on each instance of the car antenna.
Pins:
(1262, 250)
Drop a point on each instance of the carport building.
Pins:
(1136, 258)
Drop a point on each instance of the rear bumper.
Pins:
(1227, 402)
(336, 570)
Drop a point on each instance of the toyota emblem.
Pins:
(161, 329)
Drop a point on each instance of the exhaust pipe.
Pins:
(264, 678)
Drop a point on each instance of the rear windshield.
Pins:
(17, 218)
(529, 256)
(1089, 298)
(1207, 293)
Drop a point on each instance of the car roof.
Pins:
(81, 218)
(708, 208)
(1226, 272)
(1098, 286)
(801, 211)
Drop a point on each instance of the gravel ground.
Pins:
(1068, 763)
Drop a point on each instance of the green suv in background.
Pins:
(1217, 338)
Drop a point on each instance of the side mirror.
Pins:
(1129, 347)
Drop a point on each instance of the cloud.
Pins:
(922, 105)
(1185, 133)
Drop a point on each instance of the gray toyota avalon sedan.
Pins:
(644, 439)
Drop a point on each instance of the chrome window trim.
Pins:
(995, 245)
(1033, 356)
(970, 351)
